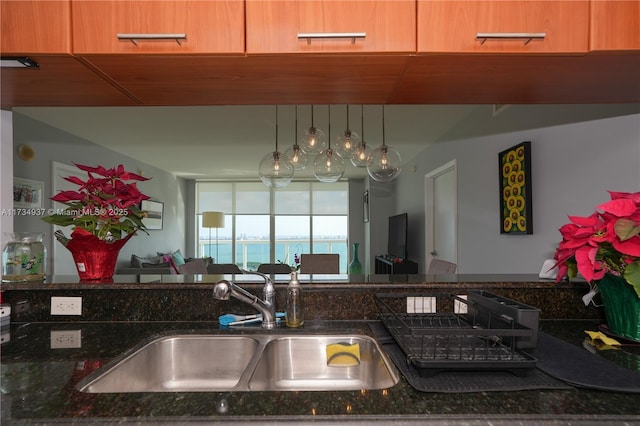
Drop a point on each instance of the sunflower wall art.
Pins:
(515, 190)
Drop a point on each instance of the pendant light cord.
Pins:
(383, 137)
(329, 128)
(276, 128)
(362, 122)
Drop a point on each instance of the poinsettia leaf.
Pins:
(626, 228)
(619, 207)
(59, 219)
(630, 247)
(632, 276)
(632, 196)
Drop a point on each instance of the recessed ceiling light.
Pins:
(18, 62)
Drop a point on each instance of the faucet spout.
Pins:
(224, 290)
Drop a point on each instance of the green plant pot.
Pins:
(621, 306)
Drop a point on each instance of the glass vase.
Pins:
(24, 257)
(355, 267)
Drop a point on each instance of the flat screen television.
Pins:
(397, 242)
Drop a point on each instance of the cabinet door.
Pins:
(524, 26)
(30, 27)
(382, 26)
(615, 25)
(208, 26)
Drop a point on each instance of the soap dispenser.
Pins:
(295, 304)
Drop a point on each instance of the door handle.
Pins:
(434, 253)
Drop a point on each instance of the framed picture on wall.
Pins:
(153, 213)
(514, 168)
(27, 193)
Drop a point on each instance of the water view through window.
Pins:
(260, 227)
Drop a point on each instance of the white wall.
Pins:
(6, 176)
(573, 166)
(51, 144)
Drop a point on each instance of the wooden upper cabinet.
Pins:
(379, 26)
(524, 26)
(615, 25)
(208, 26)
(30, 27)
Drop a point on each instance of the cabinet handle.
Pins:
(527, 37)
(133, 38)
(352, 36)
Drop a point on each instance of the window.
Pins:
(264, 225)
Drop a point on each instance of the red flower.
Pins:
(608, 241)
(105, 204)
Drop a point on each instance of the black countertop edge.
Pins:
(310, 281)
(390, 420)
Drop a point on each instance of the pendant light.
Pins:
(275, 169)
(314, 139)
(384, 162)
(328, 166)
(347, 142)
(360, 155)
(298, 158)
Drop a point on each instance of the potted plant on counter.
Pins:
(104, 213)
(605, 249)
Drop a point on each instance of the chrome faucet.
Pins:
(224, 289)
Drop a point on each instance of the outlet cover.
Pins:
(66, 339)
(66, 305)
(421, 305)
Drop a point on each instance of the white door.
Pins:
(441, 215)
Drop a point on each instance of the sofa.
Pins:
(165, 263)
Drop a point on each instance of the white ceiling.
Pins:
(228, 142)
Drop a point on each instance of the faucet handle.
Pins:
(222, 290)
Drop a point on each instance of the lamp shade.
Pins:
(213, 219)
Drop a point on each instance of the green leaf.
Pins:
(58, 219)
(626, 228)
(632, 276)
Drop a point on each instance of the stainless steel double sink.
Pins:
(243, 362)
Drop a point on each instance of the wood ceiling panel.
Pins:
(197, 80)
(496, 79)
(60, 81)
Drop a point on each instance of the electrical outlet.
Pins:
(421, 305)
(66, 305)
(65, 339)
(460, 307)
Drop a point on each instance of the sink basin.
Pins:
(300, 363)
(180, 363)
(256, 362)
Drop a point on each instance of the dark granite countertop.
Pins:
(38, 386)
(321, 280)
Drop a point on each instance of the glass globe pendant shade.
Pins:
(347, 143)
(314, 141)
(328, 166)
(275, 170)
(384, 164)
(360, 156)
(298, 158)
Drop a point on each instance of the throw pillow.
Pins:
(178, 258)
(169, 259)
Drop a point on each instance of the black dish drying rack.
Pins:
(480, 332)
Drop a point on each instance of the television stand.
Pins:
(385, 265)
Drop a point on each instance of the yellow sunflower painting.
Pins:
(515, 189)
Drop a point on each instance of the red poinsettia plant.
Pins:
(608, 241)
(105, 204)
